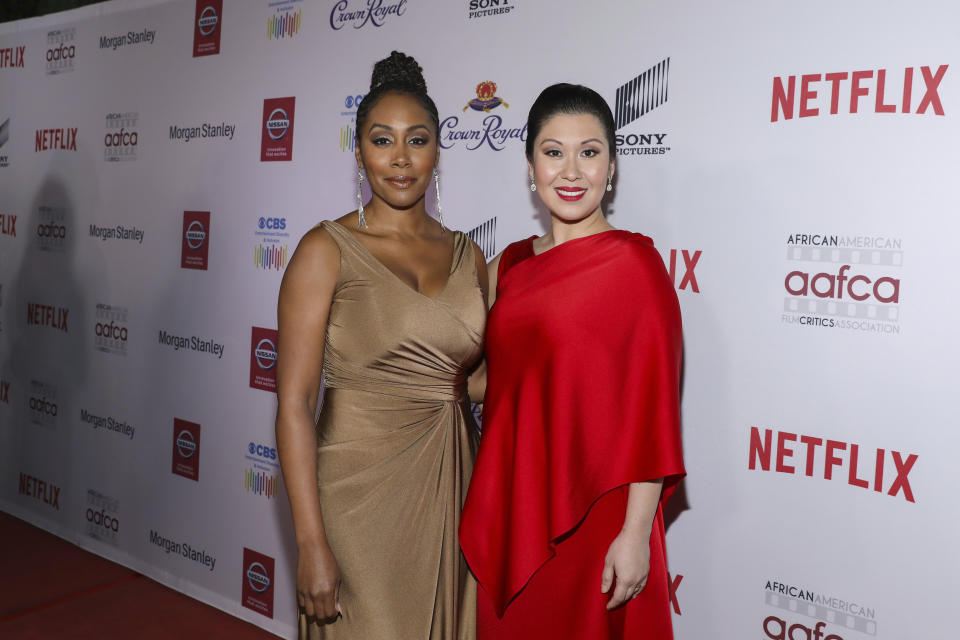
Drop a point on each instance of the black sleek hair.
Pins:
(398, 73)
(571, 99)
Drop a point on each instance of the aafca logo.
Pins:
(120, 140)
(195, 249)
(206, 28)
(843, 282)
(61, 51)
(257, 589)
(102, 517)
(110, 333)
(277, 139)
(44, 409)
(186, 449)
(634, 99)
(811, 615)
(51, 231)
(263, 359)
(490, 132)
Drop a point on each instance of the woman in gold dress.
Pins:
(386, 306)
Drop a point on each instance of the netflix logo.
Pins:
(852, 91)
(682, 275)
(56, 139)
(878, 469)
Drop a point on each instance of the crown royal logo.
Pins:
(486, 99)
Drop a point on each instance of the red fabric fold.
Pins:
(584, 352)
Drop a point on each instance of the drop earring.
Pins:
(533, 185)
(610, 183)
(436, 181)
(361, 221)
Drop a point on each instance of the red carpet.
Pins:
(57, 590)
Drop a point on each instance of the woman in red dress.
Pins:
(563, 522)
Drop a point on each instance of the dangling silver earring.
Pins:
(361, 221)
(436, 181)
(610, 183)
(533, 185)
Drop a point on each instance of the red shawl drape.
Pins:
(583, 350)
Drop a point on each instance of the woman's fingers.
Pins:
(606, 580)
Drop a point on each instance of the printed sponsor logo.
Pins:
(118, 232)
(63, 139)
(263, 359)
(206, 28)
(360, 13)
(271, 250)
(184, 550)
(883, 471)
(51, 232)
(683, 276)
(110, 331)
(102, 515)
(1, 305)
(805, 613)
(635, 99)
(130, 38)
(5, 391)
(487, 8)
(11, 57)
(8, 225)
(816, 87)
(108, 423)
(284, 22)
(4, 137)
(277, 137)
(61, 54)
(43, 315)
(45, 492)
(843, 282)
(257, 590)
(195, 249)
(120, 140)
(673, 584)
(485, 235)
(191, 343)
(204, 131)
(262, 478)
(348, 133)
(42, 404)
(491, 133)
(186, 449)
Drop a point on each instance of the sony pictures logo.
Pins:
(61, 50)
(843, 282)
(121, 137)
(634, 99)
(487, 8)
(360, 13)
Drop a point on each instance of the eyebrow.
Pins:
(588, 140)
(389, 128)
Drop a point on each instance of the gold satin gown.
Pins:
(396, 444)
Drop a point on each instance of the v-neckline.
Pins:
(401, 281)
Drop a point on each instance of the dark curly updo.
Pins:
(398, 73)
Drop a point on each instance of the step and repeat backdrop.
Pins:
(796, 166)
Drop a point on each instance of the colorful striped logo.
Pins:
(260, 483)
(270, 256)
(285, 26)
(347, 138)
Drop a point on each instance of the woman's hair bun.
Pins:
(398, 71)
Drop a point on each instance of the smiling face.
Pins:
(570, 165)
(398, 149)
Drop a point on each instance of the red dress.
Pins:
(583, 350)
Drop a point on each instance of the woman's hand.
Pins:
(628, 564)
(318, 583)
